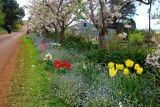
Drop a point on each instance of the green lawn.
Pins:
(30, 86)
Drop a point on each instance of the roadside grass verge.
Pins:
(2, 31)
(31, 87)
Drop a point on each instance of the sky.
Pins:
(141, 19)
(22, 3)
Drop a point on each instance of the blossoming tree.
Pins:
(57, 15)
(41, 18)
(101, 13)
(63, 11)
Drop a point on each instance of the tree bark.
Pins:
(102, 40)
(55, 37)
(150, 7)
(62, 36)
(48, 33)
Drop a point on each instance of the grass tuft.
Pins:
(2, 31)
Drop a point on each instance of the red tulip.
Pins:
(58, 64)
(66, 64)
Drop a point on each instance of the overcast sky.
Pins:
(141, 19)
(22, 3)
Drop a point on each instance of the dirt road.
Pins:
(9, 47)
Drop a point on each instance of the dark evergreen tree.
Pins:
(1, 13)
(12, 11)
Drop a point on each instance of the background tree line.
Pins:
(10, 13)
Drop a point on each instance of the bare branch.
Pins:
(145, 2)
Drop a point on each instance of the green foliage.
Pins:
(117, 56)
(136, 37)
(148, 36)
(132, 89)
(20, 12)
(2, 31)
(12, 11)
(89, 71)
(17, 27)
(74, 39)
(96, 56)
(1, 13)
(78, 43)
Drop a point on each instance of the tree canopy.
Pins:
(12, 11)
(1, 14)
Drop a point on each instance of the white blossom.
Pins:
(152, 60)
(117, 14)
(122, 35)
(47, 57)
(158, 46)
(157, 52)
(127, 26)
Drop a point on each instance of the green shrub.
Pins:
(138, 55)
(16, 28)
(78, 43)
(136, 37)
(74, 39)
(148, 36)
(96, 56)
(2, 31)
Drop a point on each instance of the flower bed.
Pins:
(81, 82)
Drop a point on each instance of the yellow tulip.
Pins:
(119, 66)
(129, 63)
(136, 66)
(112, 72)
(139, 70)
(126, 71)
(110, 64)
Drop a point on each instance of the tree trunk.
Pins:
(102, 41)
(56, 34)
(48, 33)
(61, 36)
(150, 7)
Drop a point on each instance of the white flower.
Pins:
(152, 57)
(120, 104)
(157, 52)
(158, 46)
(127, 26)
(107, 13)
(47, 57)
(84, 66)
(55, 44)
(117, 14)
(156, 64)
(122, 35)
(152, 60)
